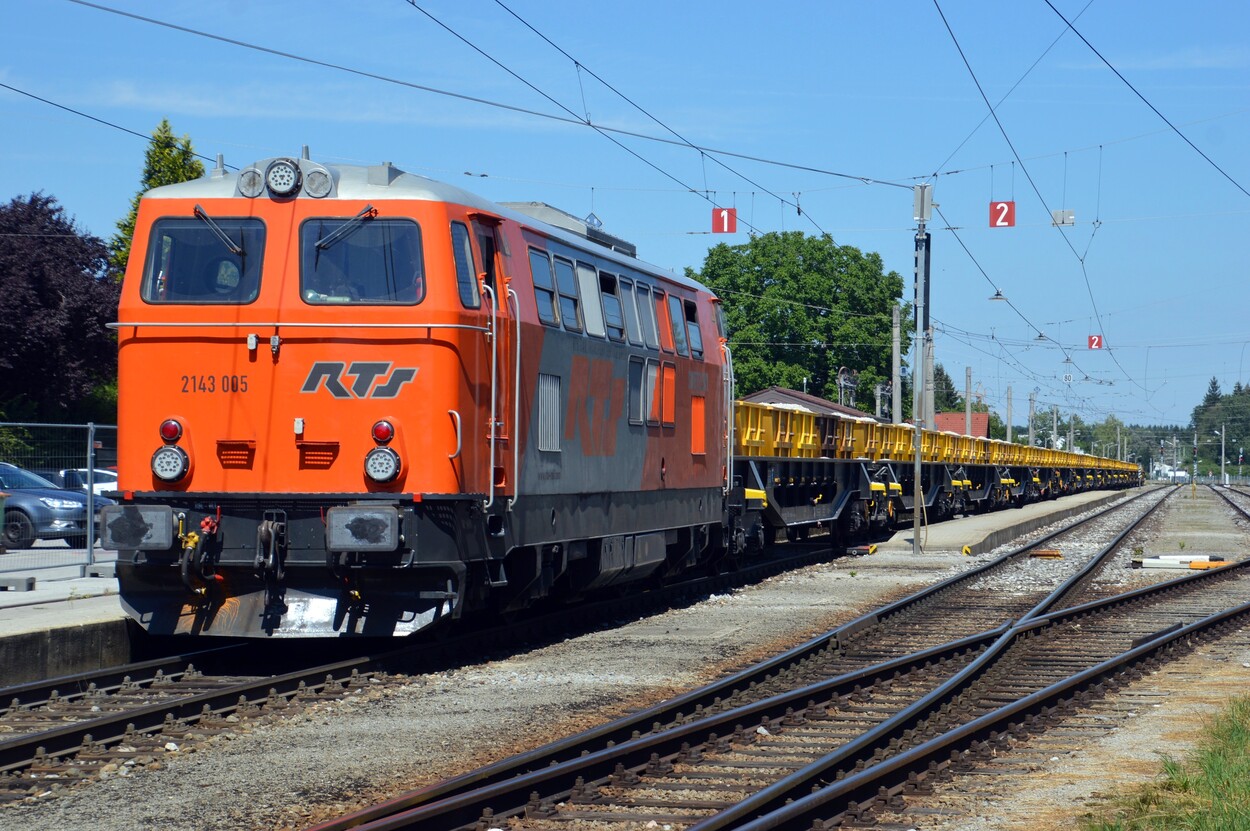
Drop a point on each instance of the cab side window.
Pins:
(466, 274)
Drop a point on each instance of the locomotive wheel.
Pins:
(19, 531)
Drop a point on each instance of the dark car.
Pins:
(36, 509)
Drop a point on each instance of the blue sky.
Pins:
(800, 92)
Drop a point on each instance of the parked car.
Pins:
(36, 509)
(76, 479)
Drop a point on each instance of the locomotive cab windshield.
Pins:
(201, 260)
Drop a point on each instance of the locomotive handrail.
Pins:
(515, 301)
(493, 334)
(338, 324)
(455, 416)
(728, 379)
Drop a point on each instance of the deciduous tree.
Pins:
(801, 307)
(56, 353)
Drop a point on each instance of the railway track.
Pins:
(964, 606)
(837, 750)
(71, 728)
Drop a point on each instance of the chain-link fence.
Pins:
(54, 477)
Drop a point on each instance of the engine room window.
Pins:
(566, 284)
(629, 305)
(466, 274)
(692, 328)
(646, 315)
(544, 286)
(361, 261)
(612, 314)
(677, 319)
(190, 260)
(588, 282)
(663, 326)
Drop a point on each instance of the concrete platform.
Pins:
(66, 623)
(984, 532)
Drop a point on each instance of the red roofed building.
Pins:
(955, 423)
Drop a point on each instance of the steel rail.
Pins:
(673, 710)
(77, 685)
(864, 789)
(774, 797)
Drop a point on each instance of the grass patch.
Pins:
(1208, 791)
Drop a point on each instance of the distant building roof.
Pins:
(793, 398)
(955, 423)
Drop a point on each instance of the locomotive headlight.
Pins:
(283, 177)
(170, 463)
(318, 183)
(382, 464)
(251, 183)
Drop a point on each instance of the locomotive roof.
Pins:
(385, 181)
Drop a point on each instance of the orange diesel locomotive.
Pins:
(357, 401)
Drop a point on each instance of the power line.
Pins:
(580, 66)
(127, 130)
(1152, 107)
(574, 120)
(1003, 130)
(585, 121)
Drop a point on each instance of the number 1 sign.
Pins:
(724, 220)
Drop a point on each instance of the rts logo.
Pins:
(372, 379)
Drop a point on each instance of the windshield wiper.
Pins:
(237, 250)
(366, 213)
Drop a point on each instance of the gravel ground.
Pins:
(393, 736)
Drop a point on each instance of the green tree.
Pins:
(168, 160)
(57, 356)
(801, 307)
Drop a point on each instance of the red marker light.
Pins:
(171, 430)
(383, 432)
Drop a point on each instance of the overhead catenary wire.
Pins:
(1036, 190)
(573, 120)
(703, 155)
(1146, 101)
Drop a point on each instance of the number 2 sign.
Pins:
(724, 220)
(1002, 214)
(1095, 342)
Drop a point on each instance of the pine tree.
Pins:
(168, 160)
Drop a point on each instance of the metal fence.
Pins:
(72, 457)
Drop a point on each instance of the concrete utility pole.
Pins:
(896, 375)
(1032, 403)
(930, 388)
(1054, 427)
(922, 211)
(1009, 415)
(967, 401)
